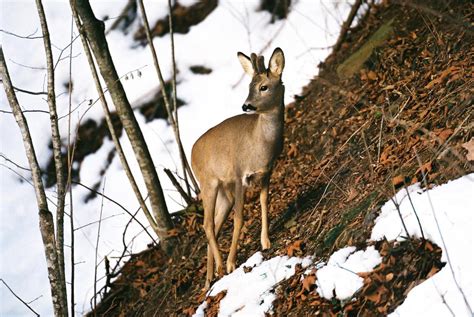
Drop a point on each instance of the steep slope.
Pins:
(392, 106)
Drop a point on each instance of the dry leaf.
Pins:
(469, 146)
(309, 281)
(442, 76)
(293, 151)
(352, 194)
(398, 180)
(372, 75)
(294, 248)
(425, 168)
(443, 135)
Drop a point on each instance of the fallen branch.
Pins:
(180, 189)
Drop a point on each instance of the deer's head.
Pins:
(266, 89)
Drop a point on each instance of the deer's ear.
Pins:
(246, 63)
(277, 62)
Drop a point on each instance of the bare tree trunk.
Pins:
(45, 217)
(171, 108)
(56, 140)
(94, 30)
(110, 125)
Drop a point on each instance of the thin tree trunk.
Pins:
(347, 24)
(56, 140)
(46, 222)
(171, 109)
(110, 125)
(95, 35)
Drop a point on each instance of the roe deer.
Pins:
(239, 151)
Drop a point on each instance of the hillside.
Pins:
(392, 106)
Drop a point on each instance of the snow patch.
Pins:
(451, 209)
(251, 294)
(340, 277)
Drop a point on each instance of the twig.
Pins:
(26, 111)
(176, 184)
(19, 298)
(94, 222)
(397, 206)
(380, 141)
(119, 205)
(97, 248)
(416, 214)
(441, 234)
(27, 37)
(10, 161)
(70, 158)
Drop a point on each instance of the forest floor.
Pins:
(379, 116)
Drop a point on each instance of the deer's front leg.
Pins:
(265, 241)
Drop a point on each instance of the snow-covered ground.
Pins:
(445, 214)
(233, 26)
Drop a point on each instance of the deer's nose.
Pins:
(248, 107)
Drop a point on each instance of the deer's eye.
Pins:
(263, 88)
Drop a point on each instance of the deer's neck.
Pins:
(270, 124)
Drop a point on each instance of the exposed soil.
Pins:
(350, 142)
(183, 19)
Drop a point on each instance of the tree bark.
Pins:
(56, 140)
(110, 125)
(46, 223)
(94, 30)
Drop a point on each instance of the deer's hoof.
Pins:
(230, 267)
(266, 244)
(219, 271)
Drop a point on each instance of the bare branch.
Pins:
(97, 248)
(70, 156)
(119, 205)
(19, 298)
(45, 216)
(26, 37)
(172, 116)
(180, 189)
(347, 24)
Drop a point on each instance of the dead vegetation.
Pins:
(350, 141)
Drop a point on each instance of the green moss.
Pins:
(347, 217)
(354, 62)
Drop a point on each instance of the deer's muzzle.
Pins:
(249, 107)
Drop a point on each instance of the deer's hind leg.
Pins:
(238, 221)
(224, 203)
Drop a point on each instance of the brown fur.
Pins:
(240, 150)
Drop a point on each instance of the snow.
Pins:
(339, 275)
(450, 206)
(249, 294)
(445, 214)
(233, 26)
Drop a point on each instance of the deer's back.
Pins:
(234, 148)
